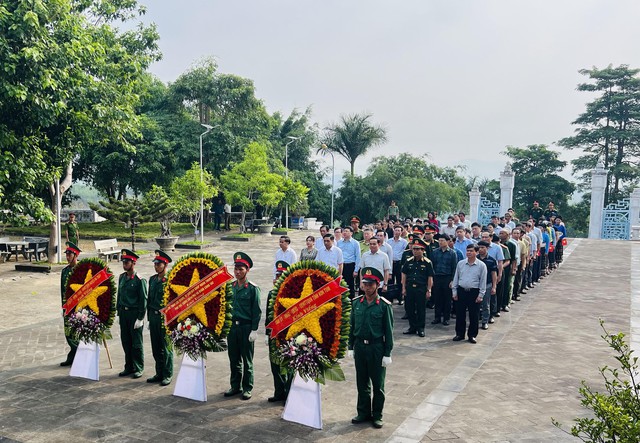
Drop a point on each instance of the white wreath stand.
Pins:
(192, 381)
(86, 361)
(304, 403)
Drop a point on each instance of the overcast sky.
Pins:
(457, 80)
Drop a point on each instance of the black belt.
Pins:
(418, 285)
(468, 289)
(240, 322)
(371, 341)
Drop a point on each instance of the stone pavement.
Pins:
(524, 370)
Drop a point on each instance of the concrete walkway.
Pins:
(524, 370)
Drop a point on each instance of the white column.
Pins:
(507, 180)
(598, 182)
(634, 214)
(474, 204)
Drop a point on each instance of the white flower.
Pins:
(301, 339)
(194, 329)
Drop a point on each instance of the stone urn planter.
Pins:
(265, 229)
(167, 243)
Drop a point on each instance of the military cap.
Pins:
(418, 243)
(281, 266)
(371, 275)
(411, 237)
(72, 248)
(430, 229)
(355, 218)
(162, 257)
(417, 229)
(126, 254)
(242, 259)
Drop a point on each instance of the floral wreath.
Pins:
(91, 319)
(312, 345)
(204, 326)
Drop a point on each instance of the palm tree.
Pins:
(353, 136)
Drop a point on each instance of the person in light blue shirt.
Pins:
(398, 246)
(351, 256)
(461, 242)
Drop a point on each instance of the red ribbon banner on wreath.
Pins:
(306, 306)
(85, 290)
(195, 294)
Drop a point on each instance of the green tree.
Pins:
(616, 412)
(69, 81)
(536, 170)
(609, 129)
(188, 189)
(250, 181)
(132, 212)
(353, 136)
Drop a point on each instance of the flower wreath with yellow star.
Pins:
(213, 312)
(101, 301)
(328, 325)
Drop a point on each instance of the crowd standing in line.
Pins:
(458, 268)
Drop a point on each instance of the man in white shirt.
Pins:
(376, 259)
(227, 217)
(285, 253)
(463, 220)
(449, 228)
(384, 246)
(324, 230)
(330, 254)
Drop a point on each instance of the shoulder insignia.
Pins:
(427, 260)
(357, 298)
(385, 300)
(252, 283)
(410, 258)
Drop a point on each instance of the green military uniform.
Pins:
(245, 319)
(281, 382)
(66, 271)
(162, 350)
(371, 339)
(73, 232)
(357, 235)
(417, 274)
(536, 213)
(131, 306)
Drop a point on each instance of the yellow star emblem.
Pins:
(197, 310)
(91, 299)
(311, 321)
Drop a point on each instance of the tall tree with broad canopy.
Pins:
(536, 170)
(69, 81)
(609, 129)
(353, 136)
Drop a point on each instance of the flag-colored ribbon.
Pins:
(85, 290)
(306, 306)
(195, 293)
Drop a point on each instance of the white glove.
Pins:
(266, 340)
(350, 353)
(253, 336)
(138, 324)
(386, 361)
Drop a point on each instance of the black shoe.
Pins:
(231, 392)
(360, 419)
(409, 331)
(421, 333)
(400, 303)
(506, 309)
(66, 363)
(155, 379)
(137, 374)
(458, 338)
(275, 398)
(516, 298)
(436, 321)
(497, 314)
(377, 423)
(165, 382)
(404, 317)
(125, 373)
(445, 323)
(246, 395)
(485, 326)
(473, 340)
(491, 320)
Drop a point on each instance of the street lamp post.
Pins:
(325, 150)
(208, 129)
(286, 174)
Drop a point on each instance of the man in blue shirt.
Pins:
(461, 242)
(444, 266)
(398, 245)
(351, 255)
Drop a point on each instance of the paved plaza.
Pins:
(524, 370)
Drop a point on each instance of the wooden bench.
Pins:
(107, 248)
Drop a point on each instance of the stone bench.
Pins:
(107, 248)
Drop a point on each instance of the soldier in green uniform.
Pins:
(244, 328)
(162, 350)
(355, 225)
(281, 382)
(73, 232)
(370, 343)
(71, 253)
(417, 279)
(131, 306)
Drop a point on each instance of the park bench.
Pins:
(35, 248)
(4, 250)
(107, 248)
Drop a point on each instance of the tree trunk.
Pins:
(353, 163)
(133, 235)
(65, 184)
(244, 214)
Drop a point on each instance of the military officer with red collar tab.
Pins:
(417, 280)
(370, 344)
(162, 351)
(245, 318)
(131, 307)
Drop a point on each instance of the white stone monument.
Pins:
(507, 181)
(598, 182)
(634, 214)
(474, 204)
